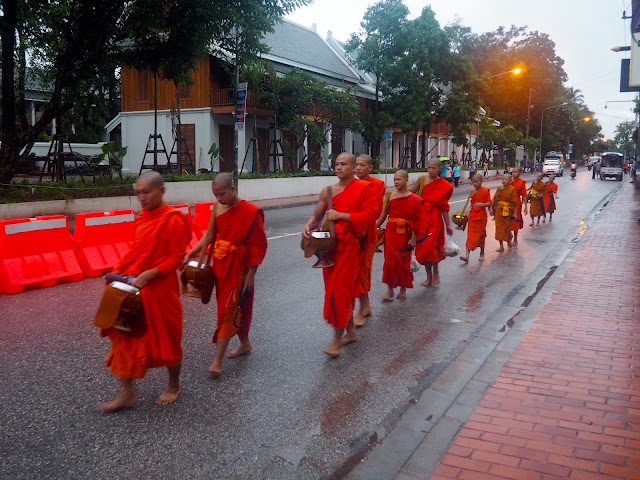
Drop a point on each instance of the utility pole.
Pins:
(528, 113)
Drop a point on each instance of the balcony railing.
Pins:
(222, 97)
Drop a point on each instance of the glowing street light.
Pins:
(515, 71)
(586, 119)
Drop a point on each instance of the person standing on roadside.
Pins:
(456, 174)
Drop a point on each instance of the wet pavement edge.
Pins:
(425, 431)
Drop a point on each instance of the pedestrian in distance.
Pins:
(536, 209)
(598, 167)
(161, 237)
(521, 189)
(477, 224)
(436, 193)
(456, 174)
(403, 210)
(549, 198)
(449, 174)
(364, 165)
(485, 168)
(236, 234)
(353, 211)
(504, 205)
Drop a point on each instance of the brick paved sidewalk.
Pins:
(567, 403)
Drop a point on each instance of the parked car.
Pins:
(553, 164)
(611, 165)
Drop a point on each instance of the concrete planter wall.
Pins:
(182, 192)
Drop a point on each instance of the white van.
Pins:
(553, 164)
(611, 164)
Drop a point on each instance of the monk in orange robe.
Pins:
(477, 224)
(436, 192)
(403, 210)
(549, 197)
(162, 234)
(353, 211)
(537, 204)
(503, 208)
(236, 229)
(364, 165)
(521, 189)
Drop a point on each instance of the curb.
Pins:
(415, 445)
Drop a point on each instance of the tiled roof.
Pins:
(303, 47)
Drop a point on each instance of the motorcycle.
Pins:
(573, 174)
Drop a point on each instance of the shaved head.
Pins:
(435, 161)
(478, 177)
(366, 158)
(154, 177)
(223, 180)
(403, 173)
(348, 157)
(507, 176)
(517, 169)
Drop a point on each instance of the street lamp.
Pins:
(515, 71)
(542, 122)
(531, 90)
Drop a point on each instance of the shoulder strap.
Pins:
(423, 178)
(467, 202)
(386, 199)
(203, 252)
(332, 224)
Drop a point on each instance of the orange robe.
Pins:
(548, 198)
(537, 205)
(436, 195)
(160, 240)
(365, 256)
(240, 244)
(521, 190)
(404, 216)
(477, 224)
(340, 280)
(504, 205)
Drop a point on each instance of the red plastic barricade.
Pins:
(36, 252)
(202, 216)
(101, 238)
(196, 234)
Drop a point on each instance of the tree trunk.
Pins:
(8, 149)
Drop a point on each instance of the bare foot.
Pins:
(481, 259)
(550, 220)
(531, 224)
(358, 320)
(464, 259)
(387, 297)
(509, 244)
(333, 350)
(500, 249)
(121, 402)
(215, 369)
(436, 280)
(402, 295)
(368, 312)
(544, 220)
(514, 243)
(426, 283)
(169, 396)
(243, 349)
(348, 338)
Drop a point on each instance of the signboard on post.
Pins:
(241, 105)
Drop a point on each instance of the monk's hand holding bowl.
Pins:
(145, 277)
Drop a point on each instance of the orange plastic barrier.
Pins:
(36, 252)
(196, 234)
(101, 238)
(202, 216)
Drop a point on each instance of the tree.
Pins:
(377, 46)
(254, 74)
(626, 134)
(75, 44)
(300, 103)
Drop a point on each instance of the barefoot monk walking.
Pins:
(161, 237)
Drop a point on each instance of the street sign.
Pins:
(570, 149)
(241, 105)
(386, 135)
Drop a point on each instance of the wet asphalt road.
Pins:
(284, 411)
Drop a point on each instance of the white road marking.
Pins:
(284, 235)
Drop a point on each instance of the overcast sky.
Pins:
(583, 30)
